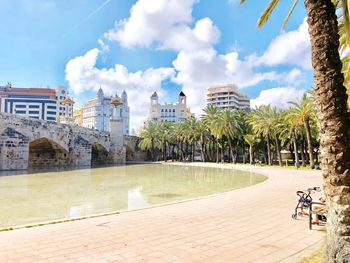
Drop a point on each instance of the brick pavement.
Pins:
(247, 225)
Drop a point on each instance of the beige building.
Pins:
(227, 96)
(169, 112)
(78, 116)
(65, 105)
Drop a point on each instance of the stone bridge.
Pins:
(29, 143)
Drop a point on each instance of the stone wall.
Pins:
(133, 151)
(28, 142)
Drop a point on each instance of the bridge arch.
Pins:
(44, 152)
(99, 154)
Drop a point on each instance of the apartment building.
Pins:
(227, 96)
(37, 103)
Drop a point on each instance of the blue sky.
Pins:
(162, 45)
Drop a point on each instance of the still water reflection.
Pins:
(38, 197)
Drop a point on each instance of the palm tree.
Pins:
(164, 133)
(179, 134)
(251, 140)
(263, 123)
(211, 119)
(303, 112)
(191, 136)
(203, 136)
(333, 117)
(150, 138)
(290, 128)
(231, 127)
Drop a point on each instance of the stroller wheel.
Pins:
(294, 216)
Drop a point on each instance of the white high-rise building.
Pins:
(97, 112)
(125, 113)
(227, 96)
(169, 112)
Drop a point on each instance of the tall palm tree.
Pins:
(290, 128)
(211, 119)
(333, 117)
(251, 140)
(164, 133)
(191, 134)
(150, 138)
(203, 136)
(231, 127)
(179, 134)
(263, 123)
(303, 112)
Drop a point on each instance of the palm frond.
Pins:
(289, 14)
(267, 12)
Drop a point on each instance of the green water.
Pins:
(39, 197)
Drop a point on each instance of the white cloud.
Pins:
(83, 75)
(168, 24)
(165, 23)
(290, 48)
(199, 70)
(104, 46)
(278, 97)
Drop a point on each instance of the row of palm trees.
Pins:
(232, 135)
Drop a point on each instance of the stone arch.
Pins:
(45, 153)
(99, 154)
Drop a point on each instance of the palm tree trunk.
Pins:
(268, 150)
(251, 154)
(302, 152)
(202, 151)
(295, 146)
(278, 151)
(193, 149)
(231, 150)
(222, 151)
(152, 150)
(217, 151)
(309, 142)
(334, 125)
(164, 152)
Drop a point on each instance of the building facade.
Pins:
(36, 103)
(125, 114)
(97, 112)
(227, 96)
(65, 105)
(169, 112)
(78, 116)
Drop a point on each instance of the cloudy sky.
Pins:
(154, 45)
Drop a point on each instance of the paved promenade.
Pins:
(246, 225)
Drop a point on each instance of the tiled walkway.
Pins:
(247, 225)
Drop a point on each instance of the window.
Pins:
(20, 106)
(21, 112)
(51, 112)
(173, 110)
(51, 118)
(166, 110)
(162, 110)
(63, 91)
(36, 106)
(50, 107)
(33, 112)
